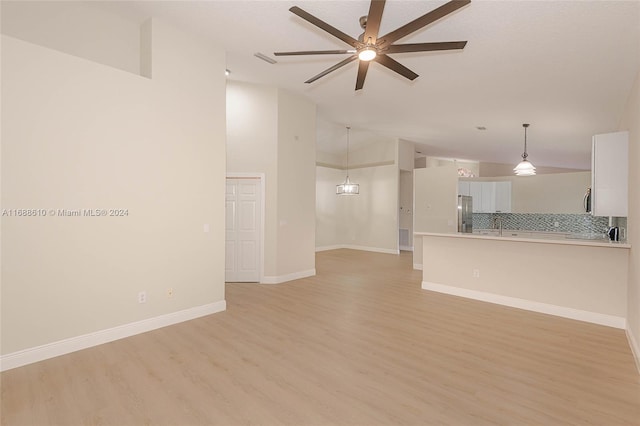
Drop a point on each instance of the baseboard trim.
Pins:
(635, 349)
(73, 344)
(278, 279)
(326, 248)
(406, 248)
(354, 247)
(373, 249)
(514, 302)
(417, 266)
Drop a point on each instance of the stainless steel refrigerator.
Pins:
(465, 213)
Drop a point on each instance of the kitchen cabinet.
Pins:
(463, 187)
(475, 190)
(610, 174)
(488, 197)
(503, 197)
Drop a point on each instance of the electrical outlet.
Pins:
(556, 224)
(169, 292)
(476, 273)
(142, 297)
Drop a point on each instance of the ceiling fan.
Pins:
(369, 47)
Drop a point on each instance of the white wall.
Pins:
(252, 146)
(550, 193)
(472, 166)
(578, 281)
(330, 231)
(373, 154)
(435, 203)
(273, 132)
(631, 122)
(296, 185)
(406, 155)
(557, 193)
(330, 159)
(78, 28)
(501, 169)
(80, 135)
(373, 214)
(368, 221)
(406, 204)
(406, 162)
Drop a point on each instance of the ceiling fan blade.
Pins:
(425, 47)
(324, 26)
(396, 66)
(362, 74)
(422, 21)
(315, 52)
(373, 21)
(333, 68)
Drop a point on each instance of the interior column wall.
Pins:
(631, 122)
(435, 204)
(252, 147)
(296, 186)
(273, 132)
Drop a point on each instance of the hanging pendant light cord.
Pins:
(348, 129)
(525, 155)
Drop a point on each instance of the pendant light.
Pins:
(525, 168)
(347, 188)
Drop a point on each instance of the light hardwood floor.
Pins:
(358, 344)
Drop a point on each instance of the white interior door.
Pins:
(243, 226)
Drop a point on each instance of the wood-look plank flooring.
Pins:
(358, 344)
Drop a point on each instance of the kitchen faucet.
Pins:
(497, 224)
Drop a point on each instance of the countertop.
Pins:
(533, 237)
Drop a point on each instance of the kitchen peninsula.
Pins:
(580, 279)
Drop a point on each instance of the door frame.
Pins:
(261, 178)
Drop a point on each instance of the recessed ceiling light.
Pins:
(481, 128)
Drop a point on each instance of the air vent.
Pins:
(404, 237)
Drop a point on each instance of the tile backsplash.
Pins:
(573, 223)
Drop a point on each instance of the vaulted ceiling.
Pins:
(566, 67)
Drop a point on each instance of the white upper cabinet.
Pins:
(463, 187)
(503, 197)
(610, 174)
(488, 197)
(475, 190)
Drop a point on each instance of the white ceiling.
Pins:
(566, 67)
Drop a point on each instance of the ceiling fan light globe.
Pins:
(367, 54)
